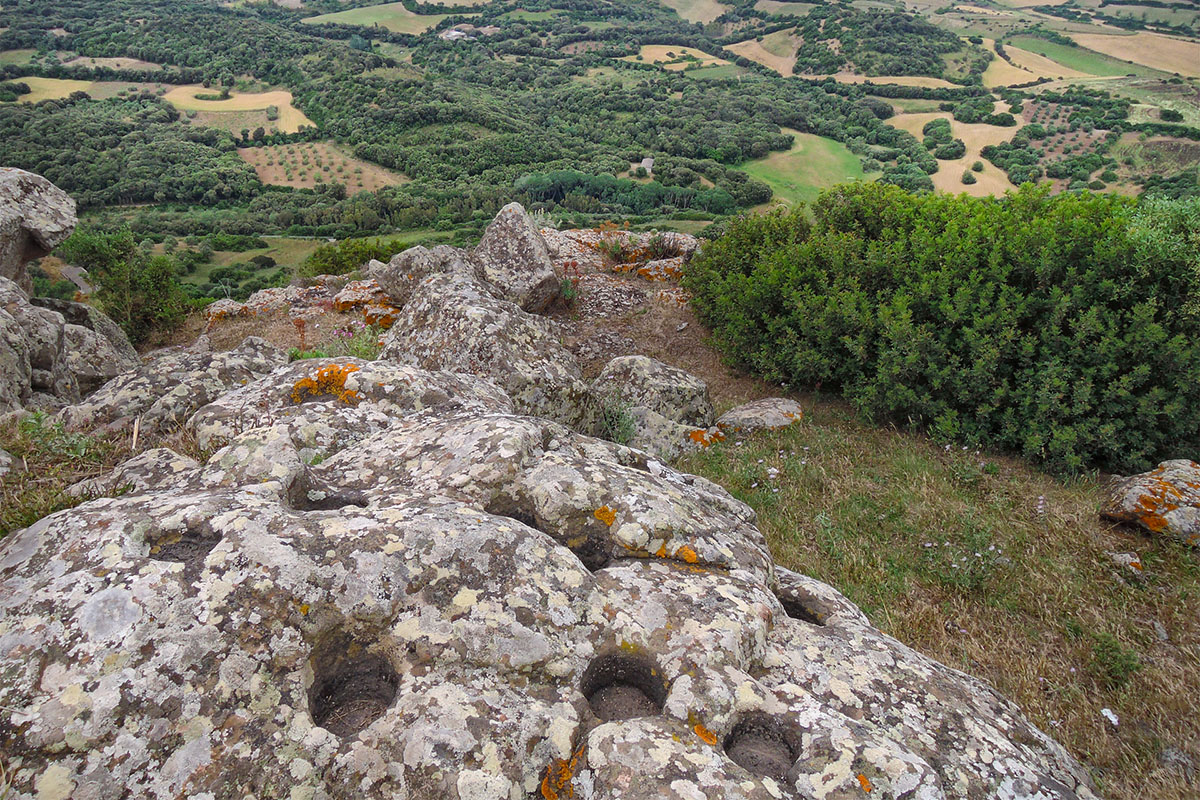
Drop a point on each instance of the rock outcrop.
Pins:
(1164, 501)
(409, 578)
(768, 414)
(515, 260)
(35, 217)
(663, 389)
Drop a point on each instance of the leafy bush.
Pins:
(344, 256)
(1063, 328)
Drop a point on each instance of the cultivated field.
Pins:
(307, 164)
(114, 63)
(392, 16)
(948, 178)
(291, 119)
(697, 10)
(51, 88)
(778, 7)
(799, 174)
(1025, 66)
(776, 51)
(903, 80)
(674, 57)
(1080, 58)
(1153, 50)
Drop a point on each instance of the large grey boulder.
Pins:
(171, 386)
(666, 390)
(1164, 501)
(455, 323)
(35, 217)
(515, 260)
(769, 414)
(405, 271)
(470, 607)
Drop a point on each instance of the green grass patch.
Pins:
(721, 72)
(1080, 58)
(814, 163)
(392, 16)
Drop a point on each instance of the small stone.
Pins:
(1160, 631)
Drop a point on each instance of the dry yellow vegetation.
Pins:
(948, 178)
(1023, 66)
(291, 119)
(304, 165)
(674, 57)
(697, 10)
(51, 88)
(776, 51)
(114, 63)
(1154, 50)
(903, 80)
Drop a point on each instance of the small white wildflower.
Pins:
(1109, 715)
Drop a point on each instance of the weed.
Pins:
(358, 340)
(614, 422)
(568, 291)
(296, 354)
(1113, 662)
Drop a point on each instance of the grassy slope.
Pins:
(1079, 58)
(814, 163)
(992, 568)
(393, 16)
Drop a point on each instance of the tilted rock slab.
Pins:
(470, 607)
(35, 217)
(1165, 501)
(769, 414)
(172, 385)
(515, 260)
(455, 323)
(400, 276)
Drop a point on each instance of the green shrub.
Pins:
(1113, 662)
(1065, 328)
(614, 422)
(968, 177)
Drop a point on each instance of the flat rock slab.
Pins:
(770, 414)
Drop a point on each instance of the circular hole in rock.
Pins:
(620, 686)
(351, 687)
(594, 554)
(309, 495)
(189, 548)
(763, 745)
(801, 608)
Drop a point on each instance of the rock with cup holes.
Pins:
(1164, 501)
(455, 323)
(168, 388)
(515, 260)
(770, 414)
(669, 391)
(460, 604)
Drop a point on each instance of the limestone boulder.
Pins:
(1163, 501)
(455, 323)
(666, 390)
(35, 217)
(769, 414)
(516, 261)
(172, 385)
(467, 607)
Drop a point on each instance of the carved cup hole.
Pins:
(803, 609)
(310, 495)
(624, 687)
(763, 745)
(189, 548)
(594, 554)
(351, 687)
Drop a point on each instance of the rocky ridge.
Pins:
(413, 578)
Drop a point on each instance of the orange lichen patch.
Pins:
(605, 515)
(330, 381)
(673, 296)
(557, 783)
(705, 438)
(864, 783)
(687, 554)
(706, 736)
(380, 313)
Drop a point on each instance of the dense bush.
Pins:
(1064, 328)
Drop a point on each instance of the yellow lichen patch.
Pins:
(557, 783)
(687, 554)
(864, 783)
(381, 314)
(706, 736)
(330, 381)
(605, 515)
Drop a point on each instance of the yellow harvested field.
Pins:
(948, 178)
(1153, 50)
(1025, 66)
(902, 80)
(696, 10)
(304, 165)
(51, 88)
(674, 57)
(114, 63)
(776, 51)
(291, 119)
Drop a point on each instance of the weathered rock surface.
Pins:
(1165, 500)
(6, 462)
(401, 275)
(35, 217)
(453, 322)
(666, 390)
(515, 260)
(48, 359)
(772, 413)
(172, 385)
(471, 607)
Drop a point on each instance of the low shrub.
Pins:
(1065, 328)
